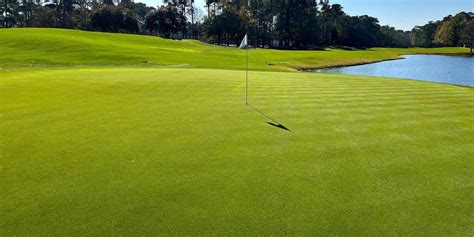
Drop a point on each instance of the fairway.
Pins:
(57, 48)
(130, 151)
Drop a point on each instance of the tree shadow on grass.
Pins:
(273, 121)
(347, 48)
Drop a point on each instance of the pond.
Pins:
(454, 70)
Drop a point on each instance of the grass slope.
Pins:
(123, 150)
(26, 48)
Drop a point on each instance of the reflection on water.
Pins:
(445, 69)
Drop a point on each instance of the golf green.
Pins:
(150, 151)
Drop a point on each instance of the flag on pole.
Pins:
(243, 44)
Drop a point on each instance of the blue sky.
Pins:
(402, 14)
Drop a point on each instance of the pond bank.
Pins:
(400, 57)
(449, 69)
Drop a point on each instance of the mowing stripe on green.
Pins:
(177, 152)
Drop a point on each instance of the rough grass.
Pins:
(33, 48)
(173, 151)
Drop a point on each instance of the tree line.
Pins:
(286, 24)
(455, 30)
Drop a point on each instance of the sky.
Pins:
(401, 14)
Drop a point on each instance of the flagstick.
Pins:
(246, 58)
(246, 75)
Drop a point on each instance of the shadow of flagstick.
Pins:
(273, 121)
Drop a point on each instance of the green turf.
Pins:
(174, 151)
(33, 48)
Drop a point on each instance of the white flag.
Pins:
(243, 44)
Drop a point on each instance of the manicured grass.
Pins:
(177, 152)
(111, 134)
(33, 48)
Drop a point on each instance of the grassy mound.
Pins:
(33, 48)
